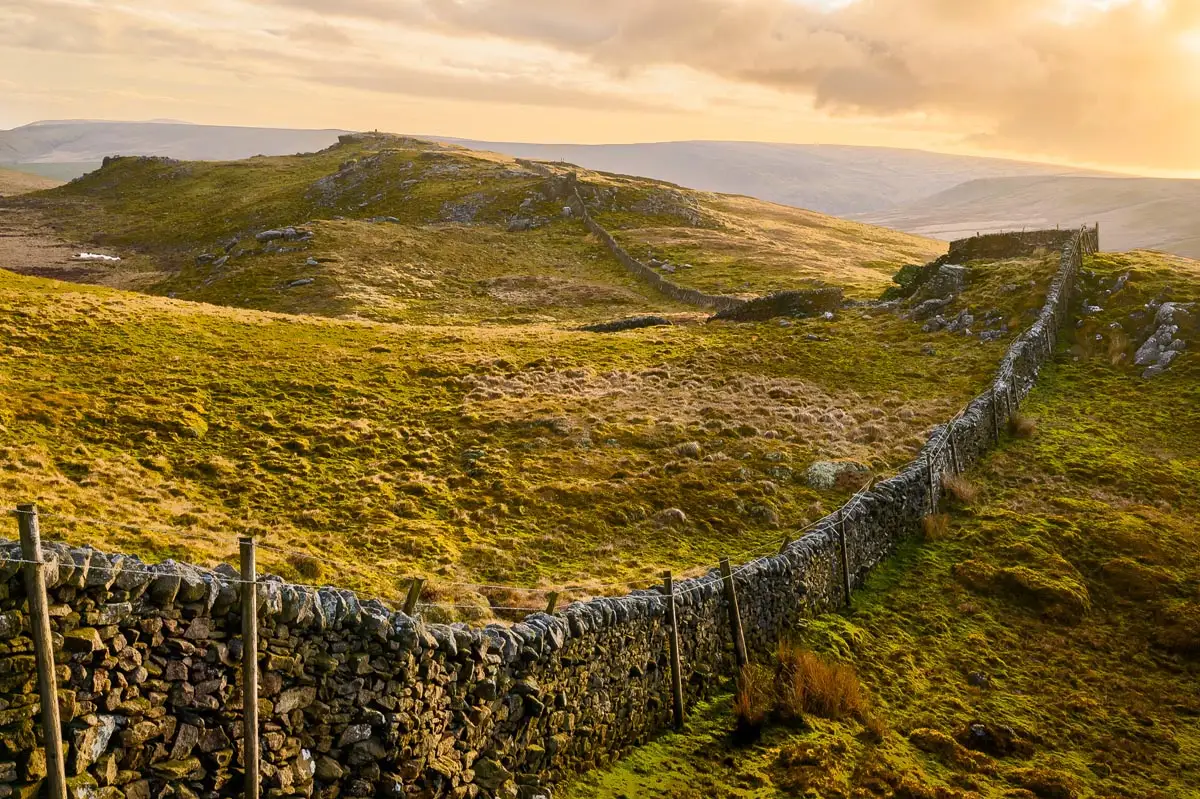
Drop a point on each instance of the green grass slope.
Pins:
(1058, 613)
(409, 230)
(516, 453)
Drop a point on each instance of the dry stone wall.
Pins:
(358, 700)
(717, 302)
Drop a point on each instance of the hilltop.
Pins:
(68, 148)
(831, 178)
(398, 229)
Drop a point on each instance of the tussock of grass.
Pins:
(1021, 426)
(936, 526)
(961, 490)
(810, 683)
(752, 702)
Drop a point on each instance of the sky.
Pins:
(1109, 83)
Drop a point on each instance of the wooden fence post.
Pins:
(735, 616)
(953, 452)
(995, 414)
(43, 648)
(845, 556)
(932, 488)
(676, 666)
(414, 593)
(787, 542)
(551, 602)
(250, 667)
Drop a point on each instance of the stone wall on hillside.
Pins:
(717, 302)
(358, 700)
(1008, 245)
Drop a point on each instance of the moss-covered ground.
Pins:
(527, 453)
(1043, 642)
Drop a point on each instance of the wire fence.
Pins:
(582, 590)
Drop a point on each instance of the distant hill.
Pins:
(14, 182)
(832, 179)
(1146, 213)
(84, 143)
(926, 193)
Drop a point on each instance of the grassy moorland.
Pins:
(487, 453)
(749, 247)
(408, 230)
(1043, 641)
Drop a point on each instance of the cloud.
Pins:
(510, 89)
(1111, 83)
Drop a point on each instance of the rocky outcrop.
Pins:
(1165, 344)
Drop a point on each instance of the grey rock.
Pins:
(295, 699)
(823, 475)
(355, 733)
(304, 281)
(92, 741)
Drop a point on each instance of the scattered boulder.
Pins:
(286, 234)
(827, 475)
(1164, 345)
(948, 281)
(929, 307)
(996, 740)
(671, 517)
(304, 281)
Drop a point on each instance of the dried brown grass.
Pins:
(961, 490)
(1022, 426)
(936, 526)
(809, 683)
(752, 702)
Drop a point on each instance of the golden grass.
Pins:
(961, 490)
(810, 683)
(936, 526)
(752, 701)
(1021, 426)
(752, 247)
